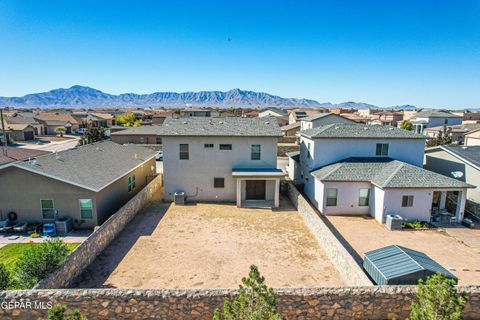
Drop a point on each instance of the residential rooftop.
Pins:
(385, 173)
(229, 126)
(470, 154)
(93, 166)
(11, 154)
(360, 131)
(436, 114)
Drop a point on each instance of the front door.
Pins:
(255, 190)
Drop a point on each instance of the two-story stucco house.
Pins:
(434, 118)
(322, 119)
(356, 169)
(222, 159)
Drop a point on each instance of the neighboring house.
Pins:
(138, 135)
(17, 132)
(387, 118)
(296, 115)
(433, 118)
(222, 159)
(198, 112)
(88, 183)
(367, 112)
(409, 114)
(275, 112)
(11, 154)
(356, 169)
(471, 116)
(159, 117)
(458, 131)
(95, 119)
(472, 138)
(291, 130)
(29, 120)
(322, 119)
(458, 162)
(54, 120)
(356, 118)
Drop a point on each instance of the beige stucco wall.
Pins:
(136, 139)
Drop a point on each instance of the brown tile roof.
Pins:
(45, 116)
(10, 154)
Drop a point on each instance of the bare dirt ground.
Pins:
(212, 246)
(365, 234)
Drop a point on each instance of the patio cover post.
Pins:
(443, 199)
(276, 202)
(462, 199)
(239, 192)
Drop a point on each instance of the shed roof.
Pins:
(393, 262)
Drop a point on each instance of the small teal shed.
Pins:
(397, 265)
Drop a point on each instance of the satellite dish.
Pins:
(457, 174)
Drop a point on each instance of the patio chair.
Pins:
(5, 226)
(453, 220)
(49, 230)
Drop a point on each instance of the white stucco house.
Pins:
(357, 169)
(222, 160)
(434, 118)
(322, 119)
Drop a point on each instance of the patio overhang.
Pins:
(257, 173)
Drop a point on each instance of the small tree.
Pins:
(39, 261)
(58, 313)
(443, 137)
(92, 134)
(127, 120)
(255, 301)
(437, 299)
(406, 125)
(60, 131)
(4, 277)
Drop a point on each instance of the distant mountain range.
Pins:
(86, 97)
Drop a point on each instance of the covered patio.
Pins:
(448, 206)
(258, 187)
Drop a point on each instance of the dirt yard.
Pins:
(212, 246)
(365, 234)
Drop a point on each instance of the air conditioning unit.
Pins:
(179, 197)
(394, 222)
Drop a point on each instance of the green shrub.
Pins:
(4, 277)
(39, 261)
(437, 299)
(416, 224)
(255, 301)
(58, 313)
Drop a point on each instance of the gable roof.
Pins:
(56, 116)
(229, 127)
(324, 115)
(11, 154)
(436, 114)
(93, 166)
(360, 131)
(279, 111)
(396, 262)
(291, 126)
(141, 131)
(386, 173)
(469, 154)
(21, 120)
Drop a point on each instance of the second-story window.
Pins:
(256, 151)
(225, 147)
(184, 152)
(382, 149)
(208, 145)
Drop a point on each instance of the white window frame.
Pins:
(80, 207)
(53, 205)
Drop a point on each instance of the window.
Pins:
(158, 140)
(48, 209)
(364, 197)
(446, 121)
(382, 149)
(208, 145)
(255, 152)
(308, 149)
(225, 147)
(407, 201)
(184, 152)
(142, 140)
(86, 208)
(218, 182)
(131, 183)
(331, 197)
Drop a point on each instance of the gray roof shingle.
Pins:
(470, 153)
(141, 130)
(386, 173)
(360, 131)
(92, 166)
(436, 114)
(229, 126)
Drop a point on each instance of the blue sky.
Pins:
(387, 53)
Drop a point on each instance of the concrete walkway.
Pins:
(76, 236)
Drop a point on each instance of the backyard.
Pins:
(364, 234)
(212, 246)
